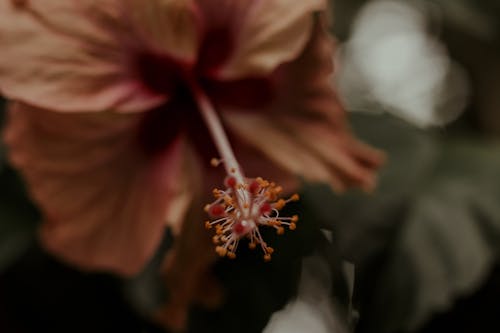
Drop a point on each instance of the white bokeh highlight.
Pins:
(393, 62)
(312, 311)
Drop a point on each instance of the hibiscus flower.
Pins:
(118, 106)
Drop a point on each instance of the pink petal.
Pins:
(80, 55)
(167, 26)
(282, 147)
(272, 32)
(306, 130)
(105, 203)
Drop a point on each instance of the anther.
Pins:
(228, 200)
(215, 162)
(221, 251)
(280, 204)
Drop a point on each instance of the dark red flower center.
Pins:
(163, 74)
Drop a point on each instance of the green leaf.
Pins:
(449, 241)
(18, 218)
(428, 235)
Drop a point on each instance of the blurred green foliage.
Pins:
(429, 235)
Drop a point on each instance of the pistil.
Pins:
(245, 204)
(219, 136)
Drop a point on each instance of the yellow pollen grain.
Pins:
(271, 196)
(293, 226)
(262, 183)
(267, 257)
(214, 162)
(280, 231)
(221, 251)
(295, 197)
(295, 218)
(280, 204)
(216, 193)
(228, 200)
(231, 255)
(207, 225)
(252, 246)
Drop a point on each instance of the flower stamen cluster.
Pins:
(241, 208)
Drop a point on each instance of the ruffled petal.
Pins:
(169, 27)
(314, 150)
(306, 130)
(105, 203)
(187, 189)
(71, 56)
(272, 32)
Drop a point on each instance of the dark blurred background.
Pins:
(420, 254)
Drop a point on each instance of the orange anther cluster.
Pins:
(241, 209)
